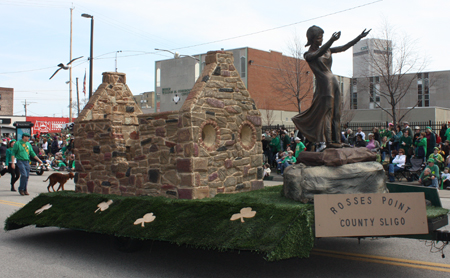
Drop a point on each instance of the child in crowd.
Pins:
(267, 170)
(446, 178)
(279, 158)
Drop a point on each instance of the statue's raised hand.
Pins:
(364, 33)
(336, 36)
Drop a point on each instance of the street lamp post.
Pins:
(91, 58)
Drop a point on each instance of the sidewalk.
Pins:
(277, 179)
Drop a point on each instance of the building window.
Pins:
(0, 108)
(158, 77)
(243, 64)
(353, 94)
(374, 92)
(197, 71)
(423, 90)
(0, 96)
(354, 101)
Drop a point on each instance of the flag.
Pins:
(84, 83)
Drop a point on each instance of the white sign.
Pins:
(338, 215)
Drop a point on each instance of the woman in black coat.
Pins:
(55, 147)
(442, 132)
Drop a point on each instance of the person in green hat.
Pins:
(22, 151)
(437, 158)
(434, 171)
(15, 174)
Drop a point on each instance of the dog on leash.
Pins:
(58, 177)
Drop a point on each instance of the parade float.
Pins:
(194, 177)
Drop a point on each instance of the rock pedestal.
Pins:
(301, 182)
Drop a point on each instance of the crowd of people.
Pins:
(398, 145)
(395, 146)
(50, 150)
(281, 148)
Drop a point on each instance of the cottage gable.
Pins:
(113, 100)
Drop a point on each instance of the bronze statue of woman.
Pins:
(322, 121)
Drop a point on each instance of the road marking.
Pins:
(9, 203)
(383, 260)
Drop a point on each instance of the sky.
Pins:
(35, 37)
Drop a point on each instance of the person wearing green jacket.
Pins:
(22, 151)
(434, 173)
(275, 144)
(396, 135)
(289, 160)
(387, 132)
(439, 160)
(299, 147)
(285, 140)
(421, 146)
(447, 134)
(15, 174)
(405, 141)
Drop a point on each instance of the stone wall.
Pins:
(212, 145)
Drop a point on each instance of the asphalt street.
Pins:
(53, 252)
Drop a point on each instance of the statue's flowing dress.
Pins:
(321, 122)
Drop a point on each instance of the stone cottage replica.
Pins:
(211, 145)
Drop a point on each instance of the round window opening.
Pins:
(209, 135)
(246, 136)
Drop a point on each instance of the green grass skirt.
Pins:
(281, 228)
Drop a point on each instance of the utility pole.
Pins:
(25, 104)
(91, 62)
(70, 69)
(116, 58)
(78, 99)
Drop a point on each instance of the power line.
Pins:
(282, 26)
(20, 71)
(201, 44)
(41, 4)
(125, 27)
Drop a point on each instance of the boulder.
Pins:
(336, 156)
(302, 182)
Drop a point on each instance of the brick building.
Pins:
(6, 101)
(258, 69)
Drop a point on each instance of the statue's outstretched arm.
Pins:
(319, 52)
(351, 43)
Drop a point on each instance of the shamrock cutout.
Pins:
(149, 217)
(104, 206)
(245, 213)
(45, 207)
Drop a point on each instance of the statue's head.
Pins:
(312, 33)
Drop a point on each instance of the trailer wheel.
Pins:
(40, 172)
(126, 244)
